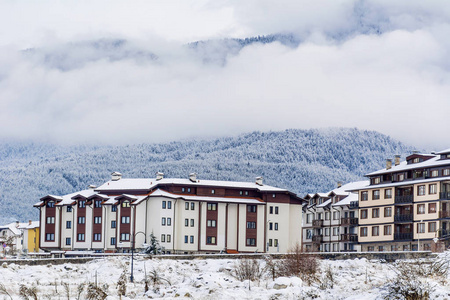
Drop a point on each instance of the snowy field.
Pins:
(207, 279)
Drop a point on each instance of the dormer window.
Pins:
(435, 173)
(126, 204)
(446, 172)
(213, 191)
(50, 204)
(401, 177)
(98, 203)
(416, 160)
(82, 204)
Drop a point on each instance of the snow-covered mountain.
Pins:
(299, 160)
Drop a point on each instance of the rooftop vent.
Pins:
(397, 159)
(259, 180)
(193, 177)
(388, 163)
(339, 184)
(92, 187)
(116, 176)
(159, 175)
(415, 152)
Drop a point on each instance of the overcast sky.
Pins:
(122, 71)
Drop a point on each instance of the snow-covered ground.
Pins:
(206, 279)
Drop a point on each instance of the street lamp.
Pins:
(132, 252)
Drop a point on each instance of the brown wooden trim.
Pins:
(199, 225)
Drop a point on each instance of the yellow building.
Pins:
(31, 237)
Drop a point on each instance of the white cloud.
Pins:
(342, 74)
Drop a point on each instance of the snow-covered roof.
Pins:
(34, 224)
(444, 151)
(402, 183)
(69, 199)
(149, 183)
(162, 193)
(14, 227)
(352, 197)
(324, 204)
(435, 161)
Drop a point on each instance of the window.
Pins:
(97, 220)
(275, 242)
(375, 212)
(168, 238)
(420, 227)
(169, 221)
(387, 193)
(420, 208)
(432, 227)
(68, 224)
(335, 231)
(163, 221)
(68, 241)
(251, 208)
(276, 210)
(98, 203)
(50, 220)
(113, 224)
(164, 205)
(113, 241)
(211, 223)
(192, 222)
(125, 220)
(270, 242)
(126, 204)
(163, 238)
(446, 172)
(401, 177)
(69, 209)
(124, 236)
(375, 194)
(363, 231)
(270, 226)
(82, 204)
(435, 173)
(191, 239)
(186, 238)
(211, 240)
(309, 218)
(212, 206)
(113, 209)
(50, 204)
(97, 236)
(192, 205)
(387, 230)
(276, 226)
(431, 208)
(387, 212)
(50, 237)
(186, 205)
(335, 215)
(363, 213)
(80, 237)
(327, 215)
(421, 190)
(271, 210)
(189, 190)
(375, 230)
(251, 242)
(81, 220)
(213, 191)
(380, 248)
(183, 189)
(364, 196)
(186, 222)
(416, 160)
(251, 225)
(327, 231)
(432, 189)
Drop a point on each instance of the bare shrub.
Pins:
(122, 284)
(66, 289)
(327, 279)
(156, 279)
(4, 291)
(272, 267)
(28, 292)
(247, 269)
(301, 264)
(95, 293)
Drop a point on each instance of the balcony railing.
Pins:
(444, 214)
(444, 195)
(444, 233)
(349, 221)
(317, 223)
(404, 199)
(317, 238)
(404, 218)
(354, 204)
(349, 237)
(403, 236)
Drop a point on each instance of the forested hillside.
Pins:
(299, 160)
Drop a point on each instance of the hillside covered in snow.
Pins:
(299, 160)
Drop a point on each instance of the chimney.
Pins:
(193, 177)
(17, 224)
(397, 160)
(388, 163)
(259, 180)
(116, 176)
(29, 222)
(92, 187)
(415, 152)
(159, 175)
(339, 184)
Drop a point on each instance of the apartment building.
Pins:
(406, 206)
(186, 215)
(330, 219)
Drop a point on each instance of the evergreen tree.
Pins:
(154, 247)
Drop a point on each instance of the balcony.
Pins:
(404, 199)
(403, 236)
(443, 233)
(444, 195)
(444, 214)
(317, 223)
(317, 238)
(404, 218)
(349, 221)
(349, 237)
(354, 205)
